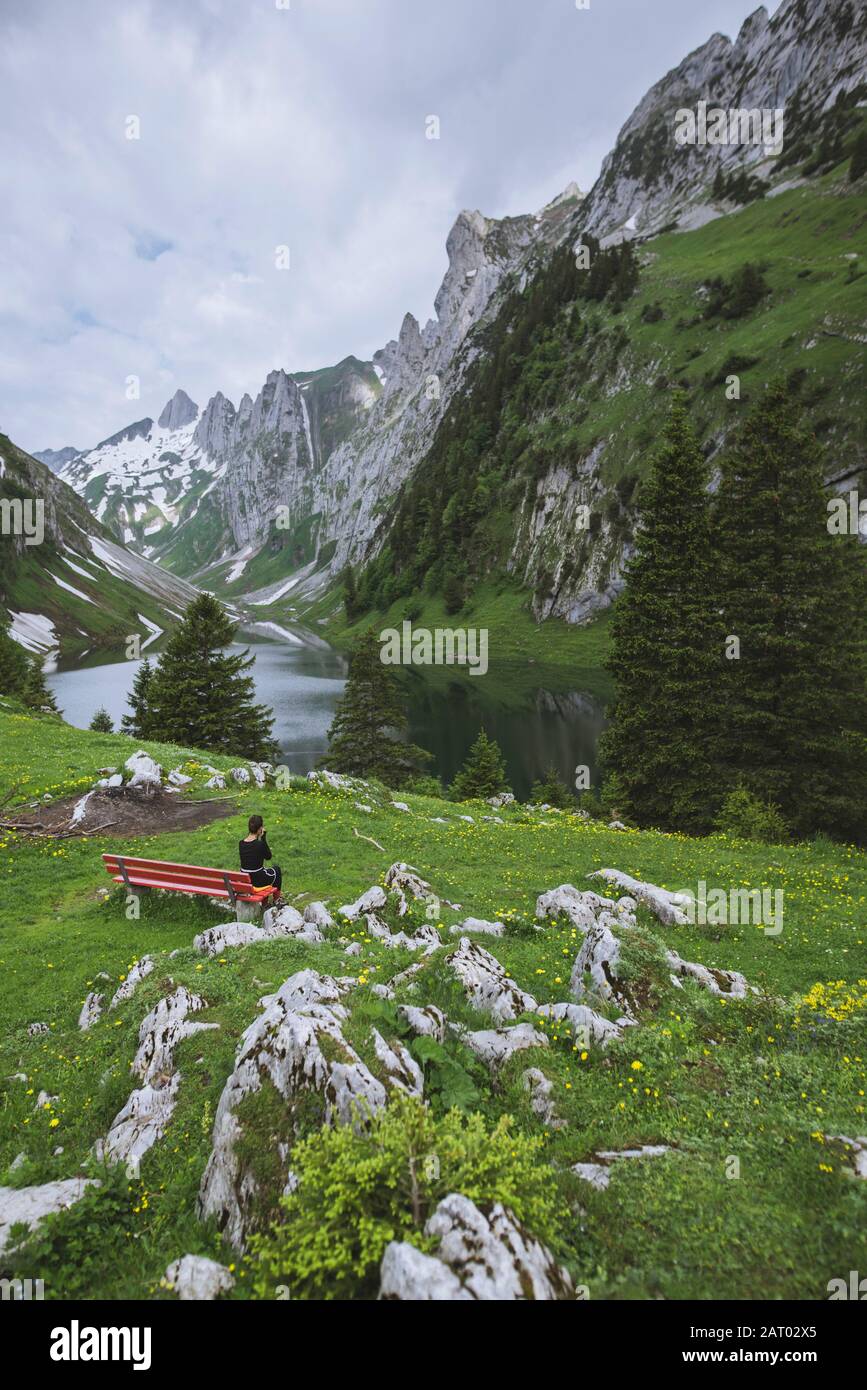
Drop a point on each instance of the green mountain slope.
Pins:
(562, 410)
(78, 588)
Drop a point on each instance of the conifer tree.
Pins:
(667, 659)
(36, 692)
(483, 773)
(21, 674)
(858, 162)
(138, 722)
(101, 722)
(201, 695)
(364, 739)
(351, 605)
(14, 664)
(795, 597)
(552, 791)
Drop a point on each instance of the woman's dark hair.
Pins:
(255, 823)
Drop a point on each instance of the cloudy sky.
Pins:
(272, 123)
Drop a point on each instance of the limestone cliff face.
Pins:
(798, 61)
(421, 371)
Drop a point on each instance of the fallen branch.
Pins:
(37, 829)
(69, 834)
(370, 841)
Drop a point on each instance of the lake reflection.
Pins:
(302, 683)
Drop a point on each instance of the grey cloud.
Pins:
(261, 127)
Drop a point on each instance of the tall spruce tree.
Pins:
(201, 695)
(21, 674)
(483, 773)
(795, 597)
(138, 722)
(659, 750)
(364, 737)
(14, 664)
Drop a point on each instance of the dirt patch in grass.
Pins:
(126, 813)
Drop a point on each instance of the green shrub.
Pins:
(423, 786)
(358, 1192)
(552, 791)
(745, 817)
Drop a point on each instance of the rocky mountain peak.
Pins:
(214, 431)
(753, 26)
(801, 58)
(177, 412)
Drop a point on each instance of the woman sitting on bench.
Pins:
(254, 851)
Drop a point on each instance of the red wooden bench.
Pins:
(233, 884)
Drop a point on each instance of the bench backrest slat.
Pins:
(180, 873)
(184, 878)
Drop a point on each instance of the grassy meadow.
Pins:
(765, 1080)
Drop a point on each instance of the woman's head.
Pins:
(254, 824)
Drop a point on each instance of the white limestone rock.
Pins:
(296, 1045)
(240, 775)
(403, 878)
(145, 774)
(400, 806)
(368, 902)
(598, 1172)
(489, 1255)
(147, 1112)
(600, 957)
(277, 923)
(478, 924)
(36, 1030)
(382, 991)
(177, 778)
(566, 900)
(422, 941)
(401, 1069)
(29, 1205)
(494, 1046)
(408, 1275)
(353, 949)
(196, 1279)
(501, 799)
(486, 984)
(588, 1027)
(667, 906)
(426, 1022)
(856, 1150)
(317, 915)
(727, 982)
(336, 781)
(216, 783)
(91, 1010)
(541, 1097)
(128, 987)
(285, 920)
